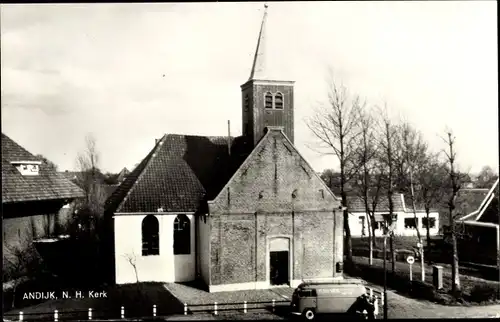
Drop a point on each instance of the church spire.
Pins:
(258, 67)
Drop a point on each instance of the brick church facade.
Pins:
(238, 213)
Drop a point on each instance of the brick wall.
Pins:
(258, 204)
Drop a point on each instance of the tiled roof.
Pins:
(178, 174)
(488, 210)
(357, 204)
(467, 201)
(47, 185)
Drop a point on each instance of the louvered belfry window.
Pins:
(150, 236)
(269, 100)
(278, 101)
(182, 235)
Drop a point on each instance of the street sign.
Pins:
(410, 260)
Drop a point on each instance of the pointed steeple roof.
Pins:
(258, 67)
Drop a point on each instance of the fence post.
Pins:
(154, 309)
(20, 315)
(122, 312)
(371, 292)
(375, 303)
(90, 313)
(382, 299)
(245, 307)
(274, 304)
(56, 316)
(215, 308)
(185, 309)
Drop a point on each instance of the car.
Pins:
(341, 296)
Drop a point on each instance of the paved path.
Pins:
(403, 307)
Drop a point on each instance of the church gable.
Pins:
(274, 178)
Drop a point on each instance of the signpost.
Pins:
(410, 261)
(421, 252)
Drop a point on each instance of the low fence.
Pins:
(213, 308)
(90, 314)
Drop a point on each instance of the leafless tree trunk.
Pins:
(455, 188)
(335, 127)
(365, 154)
(88, 179)
(387, 142)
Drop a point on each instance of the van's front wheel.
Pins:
(309, 314)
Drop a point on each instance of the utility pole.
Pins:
(385, 277)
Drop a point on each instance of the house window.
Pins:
(379, 225)
(268, 100)
(432, 222)
(278, 101)
(182, 235)
(410, 223)
(150, 236)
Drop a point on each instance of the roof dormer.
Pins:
(27, 168)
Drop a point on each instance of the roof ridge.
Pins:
(149, 157)
(487, 200)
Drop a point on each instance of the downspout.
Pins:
(255, 253)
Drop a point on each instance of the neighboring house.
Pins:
(244, 212)
(35, 200)
(480, 231)
(406, 224)
(467, 201)
(74, 176)
(122, 175)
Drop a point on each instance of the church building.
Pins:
(245, 212)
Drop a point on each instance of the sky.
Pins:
(129, 73)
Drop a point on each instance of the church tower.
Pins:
(267, 101)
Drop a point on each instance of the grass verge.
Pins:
(474, 290)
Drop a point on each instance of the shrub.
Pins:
(422, 290)
(483, 293)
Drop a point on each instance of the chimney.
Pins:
(229, 137)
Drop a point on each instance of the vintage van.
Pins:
(345, 296)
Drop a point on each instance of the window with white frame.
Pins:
(432, 222)
(182, 235)
(150, 236)
(410, 223)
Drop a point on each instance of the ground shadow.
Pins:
(197, 284)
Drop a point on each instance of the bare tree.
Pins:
(132, 260)
(430, 187)
(386, 142)
(410, 155)
(335, 127)
(365, 155)
(22, 263)
(486, 177)
(89, 179)
(51, 165)
(454, 179)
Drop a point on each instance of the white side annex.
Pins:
(405, 225)
(146, 241)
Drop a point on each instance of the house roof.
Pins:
(357, 204)
(47, 185)
(488, 209)
(122, 175)
(178, 173)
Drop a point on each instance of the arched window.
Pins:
(278, 101)
(268, 100)
(150, 236)
(182, 235)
